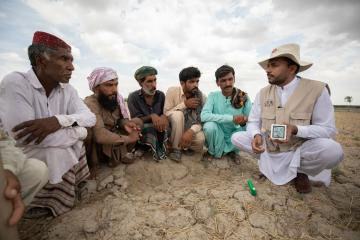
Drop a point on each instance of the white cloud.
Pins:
(75, 52)
(11, 57)
(174, 34)
(12, 61)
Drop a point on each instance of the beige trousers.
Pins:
(32, 177)
(177, 129)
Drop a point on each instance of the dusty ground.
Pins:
(191, 200)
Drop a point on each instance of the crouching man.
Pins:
(114, 136)
(305, 107)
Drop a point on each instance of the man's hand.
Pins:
(160, 123)
(257, 143)
(291, 130)
(240, 119)
(37, 129)
(130, 126)
(192, 103)
(186, 139)
(133, 137)
(12, 193)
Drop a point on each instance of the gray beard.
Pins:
(149, 92)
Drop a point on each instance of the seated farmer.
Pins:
(114, 136)
(183, 106)
(48, 119)
(147, 104)
(224, 113)
(24, 176)
(304, 105)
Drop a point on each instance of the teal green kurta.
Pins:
(217, 116)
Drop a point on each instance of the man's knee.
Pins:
(198, 141)
(242, 140)
(237, 137)
(332, 152)
(40, 170)
(200, 137)
(33, 178)
(138, 122)
(176, 117)
(336, 151)
(210, 127)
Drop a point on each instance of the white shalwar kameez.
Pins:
(23, 98)
(315, 157)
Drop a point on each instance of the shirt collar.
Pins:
(35, 82)
(290, 86)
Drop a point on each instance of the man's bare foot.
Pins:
(93, 173)
(302, 183)
(207, 157)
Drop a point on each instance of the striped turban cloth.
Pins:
(104, 74)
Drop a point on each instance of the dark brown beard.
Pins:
(193, 93)
(108, 104)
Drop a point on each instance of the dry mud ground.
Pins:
(192, 200)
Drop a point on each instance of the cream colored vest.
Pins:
(297, 111)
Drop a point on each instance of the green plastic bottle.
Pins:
(252, 189)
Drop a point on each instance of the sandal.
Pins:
(37, 212)
(188, 152)
(207, 157)
(112, 163)
(139, 153)
(175, 155)
(128, 158)
(235, 157)
(85, 188)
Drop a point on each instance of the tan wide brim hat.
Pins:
(291, 51)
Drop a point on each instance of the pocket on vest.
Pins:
(267, 119)
(300, 118)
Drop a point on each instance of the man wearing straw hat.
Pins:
(305, 108)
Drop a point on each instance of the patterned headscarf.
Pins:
(104, 74)
(238, 98)
(100, 75)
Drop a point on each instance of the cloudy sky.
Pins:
(171, 35)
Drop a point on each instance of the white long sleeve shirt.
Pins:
(23, 98)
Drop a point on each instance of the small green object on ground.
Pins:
(251, 187)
